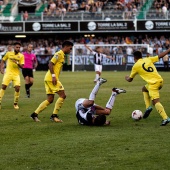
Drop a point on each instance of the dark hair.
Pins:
(137, 55)
(67, 43)
(100, 120)
(17, 43)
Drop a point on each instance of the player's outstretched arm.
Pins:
(164, 53)
(110, 57)
(88, 47)
(2, 66)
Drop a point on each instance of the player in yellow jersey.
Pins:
(146, 69)
(53, 84)
(14, 61)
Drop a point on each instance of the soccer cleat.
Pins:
(101, 80)
(27, 96)
(55, 118)
(164, 122)
(147, 112)
(34, 116)
(118, 91)
(16, 106)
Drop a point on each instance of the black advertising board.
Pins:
(153, 25)
(107, 26)
(11, 27)
(38, 27)
(85, 26)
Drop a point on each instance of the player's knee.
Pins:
(4, 87)
(90, 103)
(50, 100)
(144, 89)
(17, 88)
(107, 111)
(63, 96)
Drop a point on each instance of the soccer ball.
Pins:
(137, 115)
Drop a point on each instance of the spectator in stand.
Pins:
(99, 6)
(83, 6)
(25, 16)
(164, 10)
(52, 8)
(134, 11)
(68, 5)
(1, 3)
(63, 9)
(74, 5)
(158, 9)
(120, 5)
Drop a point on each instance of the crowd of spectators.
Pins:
(161, 7)
(61, 7)
(50, 45)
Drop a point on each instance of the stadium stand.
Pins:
(97, 10)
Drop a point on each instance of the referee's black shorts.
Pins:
(27, 72)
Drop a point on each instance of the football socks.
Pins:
(160, 110)
(146, 99)
(42, 106)
(58, 105)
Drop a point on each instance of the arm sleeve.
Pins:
(133, 72)
(154, 59)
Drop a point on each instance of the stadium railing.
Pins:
(85, 16)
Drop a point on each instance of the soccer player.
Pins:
(10, 48)
(146, 69)
(27, 71)
(53, 84)
(89, 113)
(98, 60)
(14, 61)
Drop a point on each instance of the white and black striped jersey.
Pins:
(98, 57)
(84, 115)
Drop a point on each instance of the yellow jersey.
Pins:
(146, 69)
(12, 67)
(58, 60)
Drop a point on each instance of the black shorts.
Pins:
(27, 72)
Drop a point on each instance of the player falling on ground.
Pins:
(146, 69)
(98, 60)
(14, 61)
(89, 113)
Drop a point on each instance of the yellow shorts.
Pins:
(154, 89)
(10, 77)
(52, 89)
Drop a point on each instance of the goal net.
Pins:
(82, 58)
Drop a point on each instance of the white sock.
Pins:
(111, 100)
(94, 92)
(97, 77)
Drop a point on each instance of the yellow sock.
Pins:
(147, 99)
(16, 97)
(58, 105)
(160, 110)
(1, 94)
(42, 106)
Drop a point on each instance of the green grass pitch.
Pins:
(124, 145)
